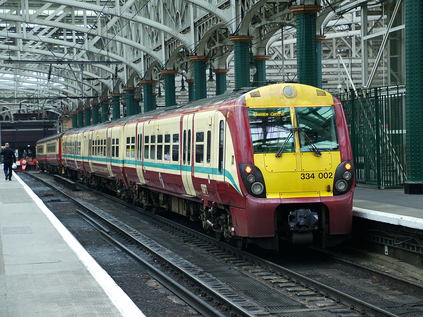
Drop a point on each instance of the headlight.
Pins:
(341, 185)
(289, 92)
(347, 175)
(251, 178)
(257, 188)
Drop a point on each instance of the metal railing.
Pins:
(376, 121)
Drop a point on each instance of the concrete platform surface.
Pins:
(44, 271)
(389, 206)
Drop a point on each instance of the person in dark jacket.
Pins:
(8, 159)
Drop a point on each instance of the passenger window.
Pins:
(146, 147)
(199, 147)
(189, 147)
(175, 152)
(152, 152)
(139, 145)
(175, 147)
(199, 153)
(184, 148)
(208, 145)
(167, 152)
(159, 151)
(221, 145)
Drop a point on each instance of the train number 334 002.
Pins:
(321, 175)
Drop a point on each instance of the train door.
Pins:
(139, 152)
(219, 145)
(90, 160)
(109, 151)
(186, 170)
(203, 171)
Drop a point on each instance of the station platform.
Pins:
(390, 206)
(44, 271)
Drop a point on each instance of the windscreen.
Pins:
(317, 127)
(271, 130)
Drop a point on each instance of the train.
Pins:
(265, 165)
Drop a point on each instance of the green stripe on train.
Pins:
(174, 167)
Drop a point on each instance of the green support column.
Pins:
(115, 106)
(260, 75)
(319, 40)
(306, 43)
(414, 96)
(74, 119)
(94, 113)
(242, 60)
(104, 110)
(129, 100)
(80, 118)
(220, 80)
(87, 116)
(199, 71)
(169, 86)
(149, 100)
(190, 89)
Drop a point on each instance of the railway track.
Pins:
(233, 283)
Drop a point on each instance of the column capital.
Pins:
(300, 9)
(146, 82)
(190, 81)
(168, 71)
(240, 38)
(104, 99)
(195, 58)
(261, 57)
(320, 38)
(220, 70)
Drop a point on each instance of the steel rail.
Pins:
(178, 289)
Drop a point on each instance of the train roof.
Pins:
(230, 96)
(191, 105)
(51, 137)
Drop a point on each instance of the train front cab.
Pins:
(303, 158)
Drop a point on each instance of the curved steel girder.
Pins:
(36, 87)
(15, 18)
(246, 21)
(201, 48)
(48, 53)
(67, 84)
(128, 16)
(176, 56)
(149, 72)
(221, 14)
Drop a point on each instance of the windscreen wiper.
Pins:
(280, 151)
(311, 145)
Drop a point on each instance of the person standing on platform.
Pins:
(8, 159)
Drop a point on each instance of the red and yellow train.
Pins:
(268, 164)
